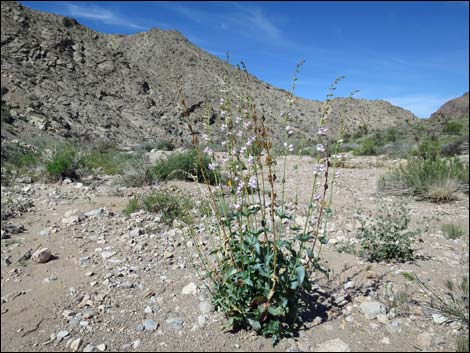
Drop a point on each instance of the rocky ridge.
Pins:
(62, 79)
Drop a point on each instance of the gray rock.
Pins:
(439, 318)
(45, 232)
(94, 213)
(61, 335)
(189, 289)
(201, 320)
(42, 255)
(336, 345)
(107, 254)
(150, 325)
(68, 221)
(372, 308)
(89, 348)
(424, 340)
(75, 344)
(205, 307)
(175, 323)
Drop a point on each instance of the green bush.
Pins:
(427, 150)
(452, 231)
(423, 177)
(386, 236)
(169, 203)
(185, 166)
(110, 161)
(368, 147)
(165, 145)
(453, 128)
(64, 162)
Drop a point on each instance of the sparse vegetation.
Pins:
(452, 231)
(453, 302)
(62, 162)
(436, 179)
(386, 236)
(185, 166)
(169, 203)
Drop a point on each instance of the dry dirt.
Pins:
(111, 272)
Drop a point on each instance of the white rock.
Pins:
(101, 347)
(189, 289)
(94, 213)
(385, 340)
(372, 308)
(201, 320)
(424, 340)
(107, 254)
(437, 318)
(205, 307)
(75, 344)
(61, 335)
(42, 255)
(336, 345)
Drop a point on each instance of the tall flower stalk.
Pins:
(259, 263)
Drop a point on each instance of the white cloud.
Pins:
(96, 13)
(420, 105)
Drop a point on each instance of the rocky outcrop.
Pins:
(455, 108)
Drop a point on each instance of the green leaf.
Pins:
(279, 311)
(303, 237)
(229, 273)
(254, 323)
(300, 273)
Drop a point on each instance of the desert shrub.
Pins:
(169, 203)
(185, 166)
(427, 150)
(453, 302)
(391, 135)
(136, 173)
(109, 161)
(435, 179)
(386, 237)
(452, 128)
(165, 145)
(368, 147)
(443, 190)
(259, 263)
(63, 161)
(455, 147)
(452, 231)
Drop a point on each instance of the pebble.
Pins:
(150, 325)
(189, 289)
(336, 345)
(175, 323)
(201, 320)
(424, 340)
(61, 335)
(205, 307)
(75, 344)
(372, 308)
(42, 255)
(385, 340)
(439, 318)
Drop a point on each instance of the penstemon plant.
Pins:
(260, 263)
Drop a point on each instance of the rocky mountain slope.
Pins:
(60, 78)
(455, 108)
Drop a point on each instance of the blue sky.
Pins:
(413, 54)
